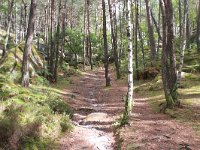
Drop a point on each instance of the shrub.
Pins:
(59, 106)
(65, 124)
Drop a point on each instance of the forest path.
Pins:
(96, 109)
(149, 130)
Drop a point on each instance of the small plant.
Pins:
(65, 124)
(60, 107)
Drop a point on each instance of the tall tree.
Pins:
(28, 45)
(129, 99)
(169, 74)
(151, 33)
(58, 44)
(136, 39)
(86, 33)
(184, 41)
(198, 29)
(64, 13)
(52, 42)
(114, 38)
(10, 10)
(106, 63)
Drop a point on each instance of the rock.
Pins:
(96, 117)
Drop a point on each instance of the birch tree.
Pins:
(129, 99)
(184, 43)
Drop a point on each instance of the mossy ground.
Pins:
(30, 118)
(38, 109)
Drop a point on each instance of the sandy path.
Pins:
(96, 108)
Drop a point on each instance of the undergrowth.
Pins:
(31, 118)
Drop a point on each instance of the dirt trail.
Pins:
(149, 130)
(96, 109)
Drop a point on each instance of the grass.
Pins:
(38, 114)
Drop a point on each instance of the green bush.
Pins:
(60, 107)
(65, 124)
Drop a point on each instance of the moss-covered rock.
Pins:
(11, 64)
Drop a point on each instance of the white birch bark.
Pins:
(130, 57)
(183, 47)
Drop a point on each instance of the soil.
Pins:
(96, 109)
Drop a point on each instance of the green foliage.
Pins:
(71, 72)
(29, 143)
(59, 106)
(39, 80)
(65, 124)
(38, 114)
(11, 65)
(74, 41)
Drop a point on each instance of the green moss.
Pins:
(12, 63)
(29, 106)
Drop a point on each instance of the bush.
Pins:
(71, 72)
(59, 106)
(149, 73)
(65, 124)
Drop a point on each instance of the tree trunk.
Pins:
(58, 44)
(106, 64)
(198, 29)
(63, 32)
(129, 100)
(169, 74)
(28, 45)
(11, 4)
(86, 46)
(136, 39)
(184, 43)
(114, 40)
(52, 44)
(180, 17)
(151, 33)
(89, 36)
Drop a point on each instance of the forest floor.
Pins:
(96, 109)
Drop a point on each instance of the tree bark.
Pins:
(58, 44)
(114, 39)
(28, 45)
(169, 74)
(198, 29)
(129, 100)
(63, 31)
(106, 64)
(136, 39)
(184, 43)
(52, 44)
(8, 27)
(151, 33)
